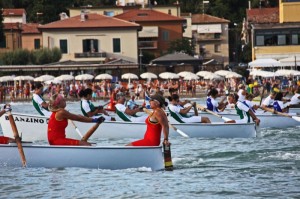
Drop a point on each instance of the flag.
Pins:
(147, 101)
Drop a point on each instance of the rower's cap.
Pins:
(160, 99)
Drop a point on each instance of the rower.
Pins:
(242, 110)
(295, 100)
(279, 105)
(211, 102)
(38, 102)
(268, 102)
(87, 107)
(126, 114)
(3, 139)
(180, 114)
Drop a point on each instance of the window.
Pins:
(109, 13)
(37, 43)
(116, 45)
(90, 45)
(3, 42)
(217, 48)
(260, 40)
(295, 39)
(281, 39)
(217, 35)
(165, 35)
(63, 43)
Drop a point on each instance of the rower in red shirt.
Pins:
(3, 139)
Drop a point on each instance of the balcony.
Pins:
(90, 55)
(147, 44)
(209, 37)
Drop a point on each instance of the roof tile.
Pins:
(263, 15)
(13, 12)
(207, 19)
(30, 28)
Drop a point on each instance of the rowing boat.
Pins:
(34, 127)
(267, 120)
(107, 157)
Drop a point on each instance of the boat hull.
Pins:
(33, 128)
(84, 157)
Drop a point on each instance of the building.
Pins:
(159, 29)
(275, 32)
(31, 37)
(92, 37)
(210, 35)
(14, 15)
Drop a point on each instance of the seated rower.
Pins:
(126, 114)
(211, 102)
(156, 122)
(242, 110)
(58, 122)
(248, 101)
(279, 105)
(295, 100)
(180, 114)
(87, 107)
(268, 102)
(3, 139)
(131, 103)
(38, 102)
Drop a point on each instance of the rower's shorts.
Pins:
(144, 142)
(192, 119)
(4, 140)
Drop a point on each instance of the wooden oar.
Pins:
(297, 118)
(167, 157)
(262, 95)
(90, 132)
(173, 127)
(17, 138)
(226, 119)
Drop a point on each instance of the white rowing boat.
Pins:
(267, 120)
(108, 157)
(34, 127)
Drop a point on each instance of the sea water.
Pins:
(267, 166)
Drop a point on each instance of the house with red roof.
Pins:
(31, 36)
(92, 37)
(159, 29)
(211, 36)
(14, 15)
(275, 32)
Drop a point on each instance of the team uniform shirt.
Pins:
(152, 134)
(242, 109)
(87, 106)
(279, 105)
(37, 101)
(250, 104)
(122, 108)
(176, 109)
(268, 101)
(295, 99)
(4, 140)
(131, 104)
(212, 104)
(241, 96)
(57, 133)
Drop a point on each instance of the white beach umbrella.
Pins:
(184, 73)
(27, 77)
(264, 63)
(6, 78)
(233, 75)
(104, 76)
(53, 81)
(223, 72)
(65, 77)
(43, 78)
(129, 76)
(203, 73)
(148, 75)
(213, 76)
(262, 73)
(287, 72)
(191, 76)
(84, 77)
(168, 75)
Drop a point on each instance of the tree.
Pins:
(182, 45)
(1, 24)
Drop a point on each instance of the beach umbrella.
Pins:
(53, 81)
(148, 76)
(233, 75)
(43, 78)
(18, 78)
(262, 73)
(103, 76)
(129, 76)
(6, 78)
(84, 77)
(184, 73)
(168, 75)
(287, 72)
(223, 72)
(203, 73)
(65, 77)
(191, 76)
(213, 76)
(264, 63)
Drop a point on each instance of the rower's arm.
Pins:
(63, 114)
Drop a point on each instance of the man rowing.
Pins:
(211, 102)
(295, 100)
(38, 102)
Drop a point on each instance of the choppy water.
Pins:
(267, 166)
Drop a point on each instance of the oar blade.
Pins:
(182, 133)
(296, 118)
